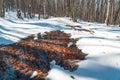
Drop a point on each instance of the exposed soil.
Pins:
(29, 55)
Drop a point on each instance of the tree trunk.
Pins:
(108, 13)
(44, 9)
(1, 8)
(117, 12)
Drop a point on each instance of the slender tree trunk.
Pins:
(117, 13)
(108, 13)
(1, 8)
(44, 9)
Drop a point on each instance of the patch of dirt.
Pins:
(30, 55)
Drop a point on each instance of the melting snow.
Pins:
(35, 73)
(70, 44)
(103, 48)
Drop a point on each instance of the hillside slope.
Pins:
(102, 47)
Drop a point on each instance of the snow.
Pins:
(35, 37)
(70, 44)
(102, 47)
(35, 73)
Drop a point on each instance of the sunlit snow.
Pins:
(102, 47)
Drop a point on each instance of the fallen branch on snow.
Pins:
(79, 28)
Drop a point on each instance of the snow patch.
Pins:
(35, 73)
(70, 44)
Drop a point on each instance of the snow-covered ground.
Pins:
(102, 47)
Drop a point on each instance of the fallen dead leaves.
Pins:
(34, 55)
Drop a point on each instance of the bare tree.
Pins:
(2, 8)
(108, 12)
(105, 11)
(117, 13)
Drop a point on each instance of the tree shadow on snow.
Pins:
(94, 71)
(5, 41)
(42, 24)
(99, 72)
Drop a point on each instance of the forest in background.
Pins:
(107, 11)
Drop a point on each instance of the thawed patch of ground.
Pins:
(102, 47)
(31, 56)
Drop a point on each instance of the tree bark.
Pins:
(1, 8)
(108, 13)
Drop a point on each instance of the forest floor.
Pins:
(102, 45)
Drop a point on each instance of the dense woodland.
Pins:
(107, 11)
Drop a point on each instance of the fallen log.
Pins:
(79, 28)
